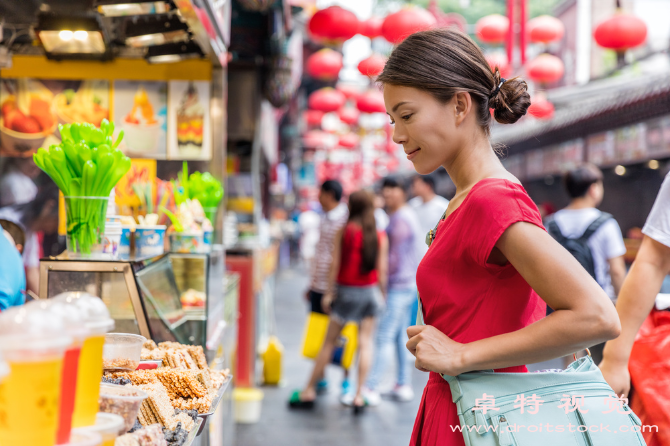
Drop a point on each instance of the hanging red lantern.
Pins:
(371, 27)
(500, 61)
(313, 117)
(324, 65)
(541, 108)
(317, 139)
(372, 101)
(349, 91)
(545, 29)
(348, 140)
(621, 32)
(372, 66)
(334, 23)
(545, 68)
(399, 25)
(349, 115)
(326, 100)
(492, 28)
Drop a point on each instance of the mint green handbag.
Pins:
(490, 407)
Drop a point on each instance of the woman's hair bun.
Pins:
(511, 102)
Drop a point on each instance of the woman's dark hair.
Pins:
(444, 62)
(578, 181)
(362, 210)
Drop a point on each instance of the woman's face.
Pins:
(427, 128)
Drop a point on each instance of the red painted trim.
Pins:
(244, 367)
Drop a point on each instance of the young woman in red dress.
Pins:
(492, 268)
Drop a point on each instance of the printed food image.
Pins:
(83, 105)
(190, 118)
(193, 298)
(141, 102)
(28, 111)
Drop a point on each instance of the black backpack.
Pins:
(579, 247)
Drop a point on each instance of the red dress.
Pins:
(469, 299)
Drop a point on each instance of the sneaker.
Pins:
(403, 393)
(322, 387)
(372, 397)
(347, 399)
(346, 387)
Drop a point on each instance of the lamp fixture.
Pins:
(173, 52)
(120, 8)
(155, 30)
(72, 37)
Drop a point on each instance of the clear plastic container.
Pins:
(85, 225)
(122, 351)
(89, 370)
(84, 439)
(33, 342)
(107, 425)
(122, 400)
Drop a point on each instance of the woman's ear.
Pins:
(462, 106)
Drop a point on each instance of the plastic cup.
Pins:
(89, 369)
(107, 425)
(33, 342)
(75, 326)
(84, 439)
(122, 400)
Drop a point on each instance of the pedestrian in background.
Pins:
(332, 220)
(403, 262)
(356, 284)
(12, 274)
(429, 207)
(592, 236)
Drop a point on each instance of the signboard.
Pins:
(189, 133)
(600, 148)
(630, 143)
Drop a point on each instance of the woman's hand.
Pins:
(434, 351)
(326, 302)
(616, 375)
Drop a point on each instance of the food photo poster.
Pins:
(189, 135)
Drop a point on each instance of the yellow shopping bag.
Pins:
(315, 333)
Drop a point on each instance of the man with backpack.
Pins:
(592, 236)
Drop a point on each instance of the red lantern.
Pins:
(313, 117)
(316, 139)
(621, 32)
(492, 28)
(349, 91)
(372, 101)
(545, 68)
(371, 28)
(326, 100)
(372, 66)
(500, 61)
(334, 23)
(399, 25)
(545, 29)
(349, 115)
(325, 64)
(348, 140)
(541, 108)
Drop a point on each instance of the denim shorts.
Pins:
(354, 303)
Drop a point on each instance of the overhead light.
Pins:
(620, 170)
(72, 37)
(120, 8)
(155, 30)
(173, 52)
(653, 164)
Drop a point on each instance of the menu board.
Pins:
(140, 110)
(189, 134)
(630, 143)
(31, 110)
(600, 148)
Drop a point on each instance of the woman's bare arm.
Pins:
(382, 263)
(583, 314)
